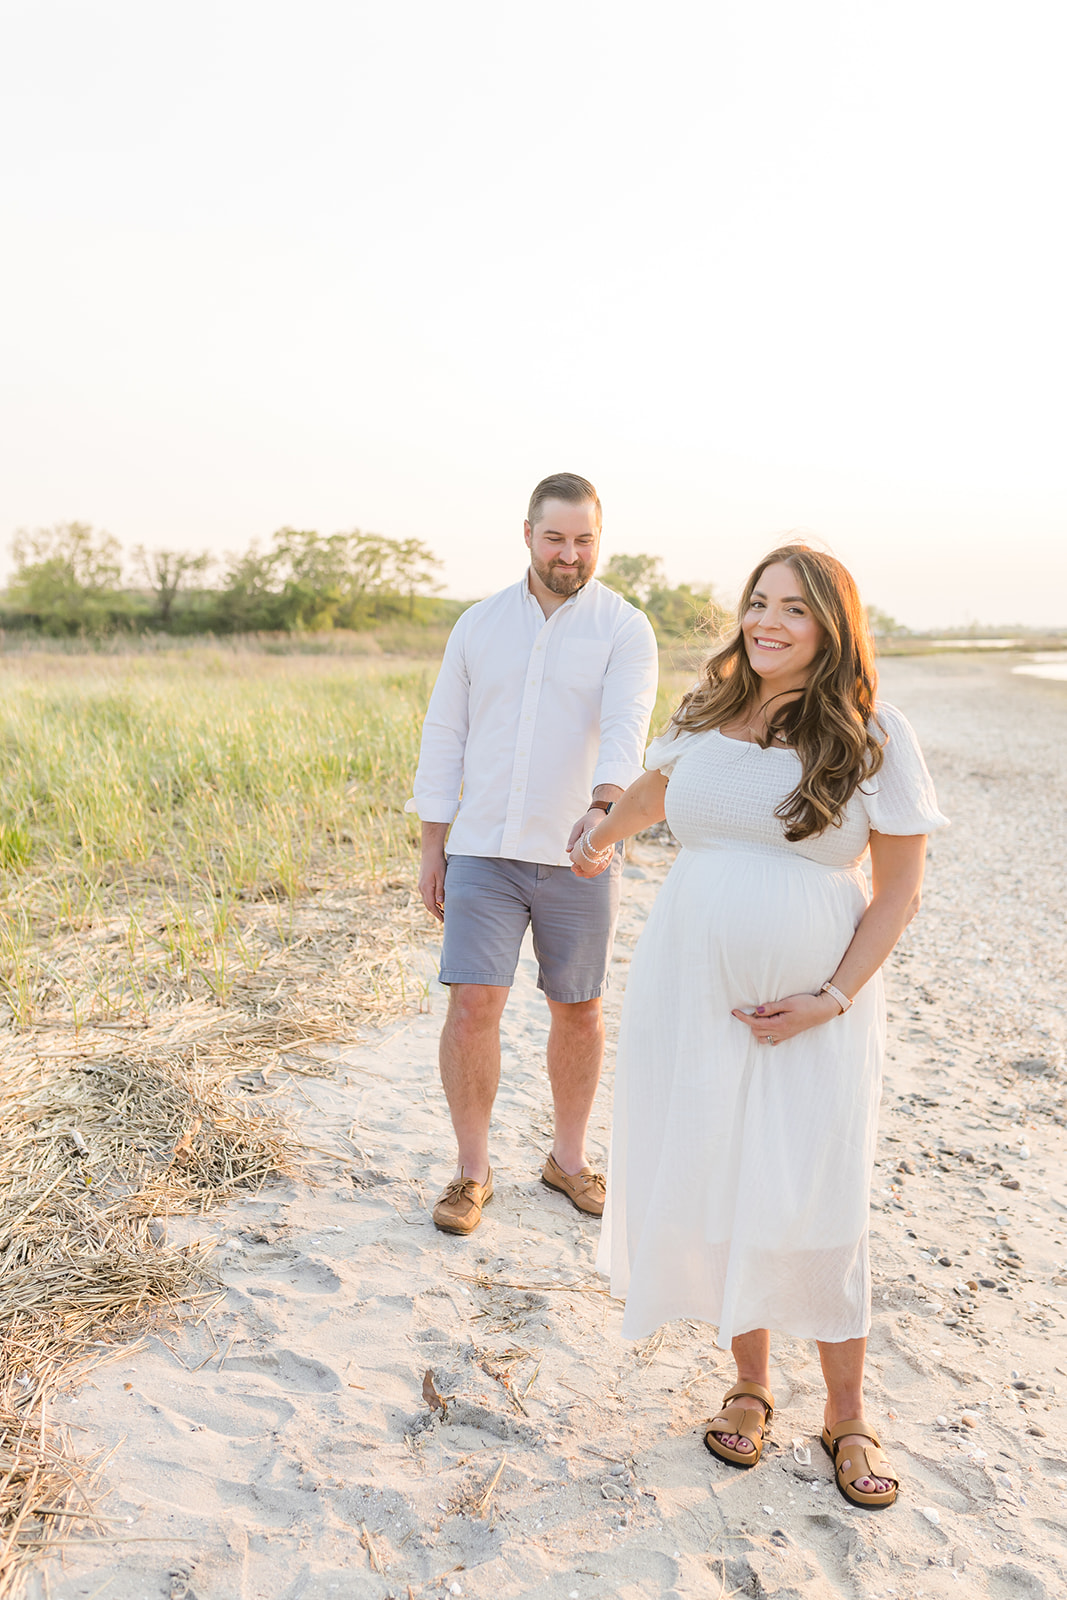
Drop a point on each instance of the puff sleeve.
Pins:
(664, 753)
(900, 798)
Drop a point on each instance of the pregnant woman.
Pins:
(749, 1061)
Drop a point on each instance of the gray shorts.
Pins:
(489, 904)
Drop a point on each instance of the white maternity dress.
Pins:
(746, 917)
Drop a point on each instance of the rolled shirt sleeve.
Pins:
(628, 698)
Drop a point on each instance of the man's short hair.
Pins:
(563, 486)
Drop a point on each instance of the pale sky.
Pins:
(751, 265)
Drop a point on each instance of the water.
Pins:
(973, 644)
(1045, 664)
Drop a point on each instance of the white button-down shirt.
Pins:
(529, 714)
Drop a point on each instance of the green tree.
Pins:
(307, 581)
(673, 612)
(67, 580)
(313, 578)
(167, 573)
(248, 595)
(369, 578)
(882, 625)
(683, 610)
(413, 570)
(634, 577)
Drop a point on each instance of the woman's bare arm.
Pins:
(640, 807)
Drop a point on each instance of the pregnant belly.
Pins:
(759, 926)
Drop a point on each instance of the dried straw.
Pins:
(44, 1491)
(98, 1144)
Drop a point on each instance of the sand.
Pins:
(291, 1446)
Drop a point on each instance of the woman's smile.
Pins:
(779, 623)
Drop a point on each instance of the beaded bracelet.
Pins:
(596, 855)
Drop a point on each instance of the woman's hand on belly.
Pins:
(784, 1019)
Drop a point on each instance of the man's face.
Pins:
(563, 544)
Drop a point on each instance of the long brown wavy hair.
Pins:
(831, 723)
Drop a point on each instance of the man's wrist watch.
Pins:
(601, 805)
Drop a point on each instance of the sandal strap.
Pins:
(864, 1461)
(874, 1464)
(739, 1420)
(852, 1425)
(750, 1391)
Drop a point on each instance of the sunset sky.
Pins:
(752, 267)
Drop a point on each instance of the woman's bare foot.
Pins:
(738, 1441)
(858, 1442)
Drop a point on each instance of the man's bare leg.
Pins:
(575, 1056)
(470, 1069)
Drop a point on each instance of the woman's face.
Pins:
(782, 638)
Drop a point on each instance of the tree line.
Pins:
(73, 581)
(673, 611)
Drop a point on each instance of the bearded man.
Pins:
(536, 724)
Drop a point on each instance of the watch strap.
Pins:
(835, 993)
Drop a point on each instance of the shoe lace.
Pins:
(459, 1189)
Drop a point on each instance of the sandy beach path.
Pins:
(291, 1447)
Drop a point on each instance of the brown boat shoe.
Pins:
(585, 1190)
(459, 1205)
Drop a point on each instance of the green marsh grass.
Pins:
(165, 816)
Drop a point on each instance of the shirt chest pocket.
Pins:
(582, 663)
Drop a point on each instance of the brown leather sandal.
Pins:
(750, 1422)
(853, 1462)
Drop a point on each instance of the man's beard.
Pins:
(563, 582)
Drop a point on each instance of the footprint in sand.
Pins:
(288, 1266)
(954, 1485)
(289, 1370)
(225, 1411)
(1012, 1582)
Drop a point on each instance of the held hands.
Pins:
(587, 862)
(583, 825)
(783, 1019)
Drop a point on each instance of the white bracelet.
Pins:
(595, 855)
(842, 999)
